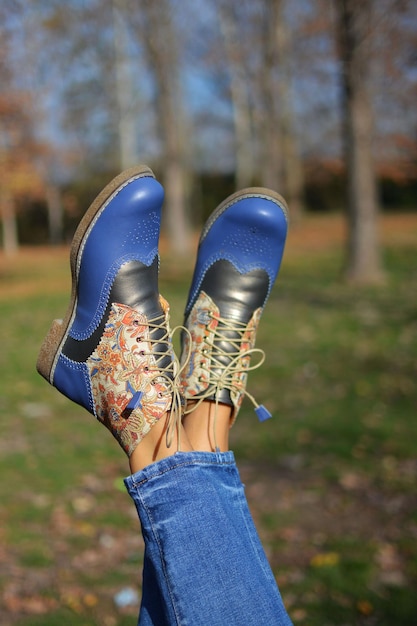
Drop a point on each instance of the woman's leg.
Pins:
(154, 447)
(207, 427)
(213, 566)
(112, 354)
(204, 563)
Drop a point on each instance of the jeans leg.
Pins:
(156, 607)
(204, 563)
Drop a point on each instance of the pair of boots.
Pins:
(112, 353)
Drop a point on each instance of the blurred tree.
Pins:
(19, 177)
(259, 59)
(282, 162)
(126, 111)
(20, 149)
(156, 29)
(33, 56)
(244, 148)
(356, 28)
(85, 70)
(395, 89)
(257, 82)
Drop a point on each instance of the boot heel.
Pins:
(49, 349)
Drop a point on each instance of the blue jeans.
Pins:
(204, 564)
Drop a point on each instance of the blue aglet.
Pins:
(262, 413)
(135, 401)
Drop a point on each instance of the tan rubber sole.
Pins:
(57, 334)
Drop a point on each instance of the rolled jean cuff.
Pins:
(175, 461)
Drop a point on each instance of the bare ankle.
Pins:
(155, 446)
(207, 426)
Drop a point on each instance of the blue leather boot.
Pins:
(239, 256)
(112, 352)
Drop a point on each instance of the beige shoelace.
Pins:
(224, 376)
(220, 375)
(169, 374)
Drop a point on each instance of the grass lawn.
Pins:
(331, 479)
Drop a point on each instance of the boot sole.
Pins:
(58, 332)
(250, 192)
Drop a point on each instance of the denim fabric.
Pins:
(204, 563)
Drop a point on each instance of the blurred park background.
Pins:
(313, 98)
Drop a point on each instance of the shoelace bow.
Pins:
(225, 367)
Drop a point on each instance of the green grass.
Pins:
(330, 479)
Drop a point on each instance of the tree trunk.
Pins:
(126, 118)
(161, 47)
(281, 163)
(271, 172)
(363, 252)
(175, 177)
(244, 148)
(292, 171)
(9, 224)
(55, 214)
